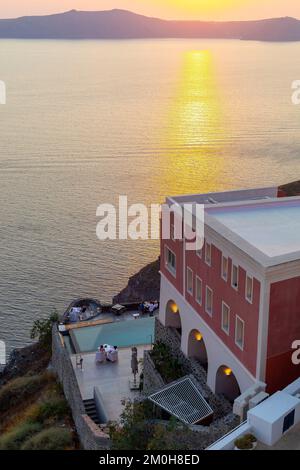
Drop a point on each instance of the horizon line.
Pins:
(147, 16)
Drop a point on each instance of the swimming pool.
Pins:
(122, 334)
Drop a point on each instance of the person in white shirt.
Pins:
(112, 355)
(100, 354)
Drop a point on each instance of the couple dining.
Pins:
(107, 353)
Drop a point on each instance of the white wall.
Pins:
(267, 419)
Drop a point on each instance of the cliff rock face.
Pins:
(290, 189)
(145, 285)
(31, 360)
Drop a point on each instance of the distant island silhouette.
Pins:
(122, 24)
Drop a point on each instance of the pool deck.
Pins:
(111, 379)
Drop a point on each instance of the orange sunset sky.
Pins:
(173, 9)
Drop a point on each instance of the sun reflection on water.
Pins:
(194, 132)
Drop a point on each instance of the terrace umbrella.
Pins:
(134, 363)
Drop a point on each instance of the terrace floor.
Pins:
(290, 441)
(111, 379)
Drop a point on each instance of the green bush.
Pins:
(168, 367)
(54, 438)
(14, 439)
(138, 430)
(56, 408)
(42, 330)
(18, 390)
(245, 442)
(134, 431)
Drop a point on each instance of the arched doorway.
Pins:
(226, 383)
(196, 348)
(173, 319)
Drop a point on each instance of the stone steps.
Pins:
(91, 411)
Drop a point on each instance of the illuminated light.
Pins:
(174, 308)
(227, 371)
(198, 336)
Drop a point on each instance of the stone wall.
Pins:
(199, 437)
(152, 379)
(191, 366)
(91, 436)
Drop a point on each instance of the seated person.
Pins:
(73, 315)
(142, 307)
(112, 355)
(152, 307)
(100, 354)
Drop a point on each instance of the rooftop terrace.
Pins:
(257, 221)
(272, 227)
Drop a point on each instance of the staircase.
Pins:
(91, 410)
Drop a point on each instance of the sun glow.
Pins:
(197, 8)
(195, 129)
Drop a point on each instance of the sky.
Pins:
(171, 9)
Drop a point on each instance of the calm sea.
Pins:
(86, 121)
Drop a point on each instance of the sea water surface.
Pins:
(86, 121)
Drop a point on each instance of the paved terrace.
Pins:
(112, 379)
(290, 441)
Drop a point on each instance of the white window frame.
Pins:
(189, 270)
(241, 346)
(224, 305)
(198, 279)
(168, 266)
(209, 312)
(225, 278)
(250, 300)
(208, 261)
(237, 276)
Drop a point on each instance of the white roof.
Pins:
(267, 230)
(255, 220)
(275, 407)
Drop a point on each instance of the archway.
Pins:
(196, 348)
(173, 316)
(226, 383)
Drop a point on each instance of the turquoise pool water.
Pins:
(122, 334)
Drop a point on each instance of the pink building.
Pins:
(236, 303)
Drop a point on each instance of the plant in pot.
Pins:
(246, 442)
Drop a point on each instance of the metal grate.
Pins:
(183, 400)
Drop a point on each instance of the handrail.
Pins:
(226, 435)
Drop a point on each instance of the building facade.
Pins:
(236, 302)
